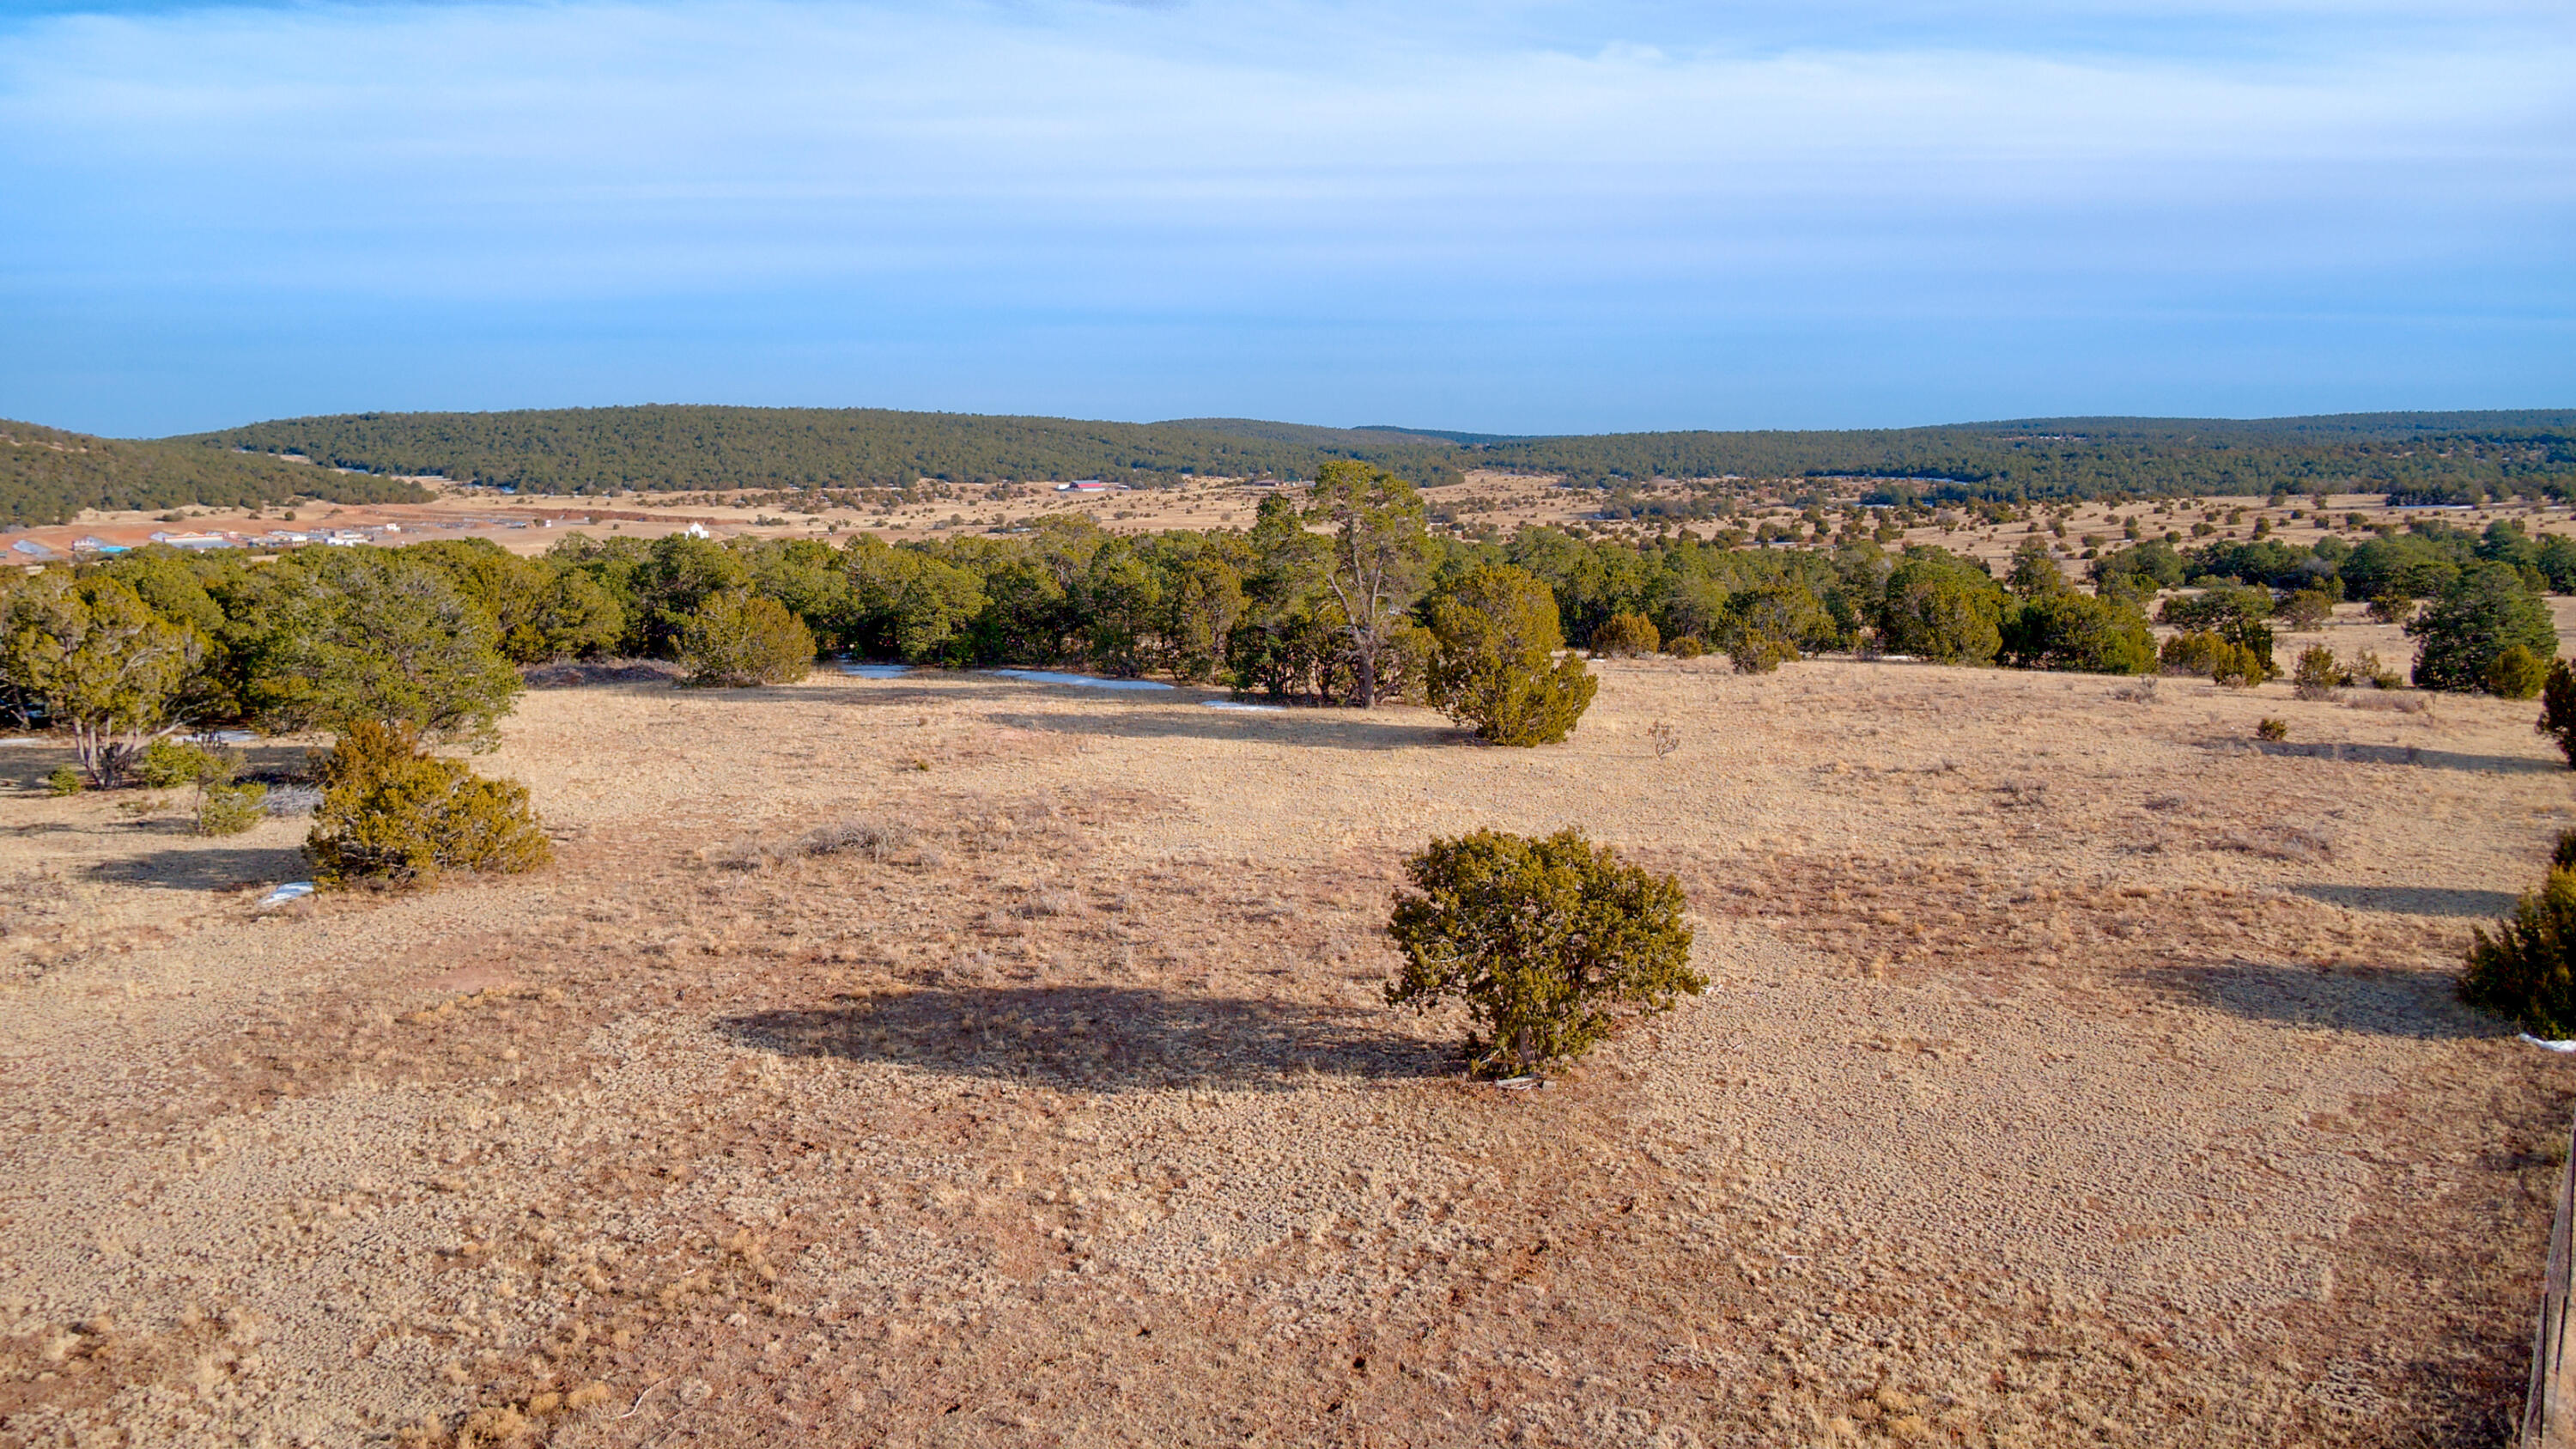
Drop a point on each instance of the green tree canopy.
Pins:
(1494, 665)
(1379, 558)
(1940, 608)
(101, 660)
(1547, 941)
(2486, 610)
(335, 636)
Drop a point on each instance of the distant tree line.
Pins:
(1339, 594)
(2424, 457)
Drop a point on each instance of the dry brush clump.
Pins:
(880, 841)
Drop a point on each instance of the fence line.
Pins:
(2549, 1410)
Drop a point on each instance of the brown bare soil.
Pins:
(946, 1060)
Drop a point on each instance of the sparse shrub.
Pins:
(288, 800)
(737, 639)
(2392, 607)
(1493, 664)
(873, 839)
(1625, 636)
(2272, 730)
(2558, 712)
(169, 764)
(2527, 969)
(2194, 651)
(2318, 673)
(2306, 611)
(2516, 674)
(2242, 668)
(1546, 941)
(393, 815)
(65, 780)
(1686, 647)
(2367, 669)
(1663, 738)
(230, 809)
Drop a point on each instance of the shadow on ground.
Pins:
(1098, 1038)
(1186, 718)
(207, 868)
(2417, 1004)
(2402, 755)
(2411, 900)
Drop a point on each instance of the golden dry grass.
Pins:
(1500, 501)
(2075, 1071)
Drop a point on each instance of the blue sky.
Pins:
(1502, 217)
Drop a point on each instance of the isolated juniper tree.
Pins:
(394, 815)
(1379, 555)
(2487, 610)
(1548, 942)
(1494, 659)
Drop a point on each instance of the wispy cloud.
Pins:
(1472, 190)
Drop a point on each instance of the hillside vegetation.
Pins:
(47, 476)
(2433, 456)
(689, 449)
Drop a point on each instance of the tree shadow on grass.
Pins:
(2411, 900)
(1345, 729)
(2417, 755)
(2375, 1001)
(1098, 1038)
(206, 868)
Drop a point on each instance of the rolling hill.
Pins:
(48, 475)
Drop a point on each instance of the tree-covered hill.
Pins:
(695, 448)
(47, 476)
(2424, 453)
(664, 448)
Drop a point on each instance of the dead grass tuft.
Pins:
(2277, 842)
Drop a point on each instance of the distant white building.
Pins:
(696, 530)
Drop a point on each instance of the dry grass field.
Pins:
(948, 1060)
(531, 523)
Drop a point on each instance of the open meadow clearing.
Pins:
(960, 1060)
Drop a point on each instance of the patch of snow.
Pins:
(877, 671)
(1049, 676)
(1253, 708)
(294, 890)
(2555, 1046)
